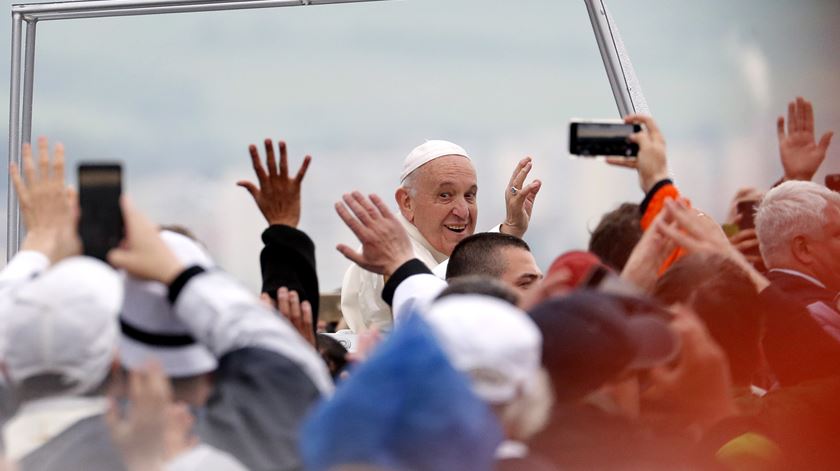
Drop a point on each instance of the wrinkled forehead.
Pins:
(455, 170)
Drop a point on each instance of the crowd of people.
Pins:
(672, 342)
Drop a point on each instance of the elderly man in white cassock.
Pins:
(438, 208)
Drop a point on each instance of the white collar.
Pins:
(416, 236)
(799, 274)
(39, 421)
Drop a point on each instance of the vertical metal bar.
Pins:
(606, 45)
(28, 81)
(12, 212)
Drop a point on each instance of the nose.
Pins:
(461, 209)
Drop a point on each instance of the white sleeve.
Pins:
(224, 317)
(361, 300)
(23, 266)
(415, 293)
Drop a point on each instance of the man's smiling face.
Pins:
(441, 201)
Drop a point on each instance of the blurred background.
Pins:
(178, 98)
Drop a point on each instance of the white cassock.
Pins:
(361, 290)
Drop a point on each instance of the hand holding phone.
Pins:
(101, 222)
(602, 138)
(746, 209)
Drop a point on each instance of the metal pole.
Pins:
(28, 81)
(12, 214)
(106, 8)
(609, 54)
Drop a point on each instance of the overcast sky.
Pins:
(178, 98)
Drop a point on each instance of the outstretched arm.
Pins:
(219, 312)
(50, 213)
(288, 258)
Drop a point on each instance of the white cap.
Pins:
(150, 329)
(493, 342)
(428, 151)
(63, 322)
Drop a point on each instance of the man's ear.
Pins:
(801, 250)
(405, 203)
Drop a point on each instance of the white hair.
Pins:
(410, 183)
(791, 209)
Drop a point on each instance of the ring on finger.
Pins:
(514, 190)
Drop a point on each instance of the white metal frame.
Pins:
(25, 16)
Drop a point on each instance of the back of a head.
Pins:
(406, 407)
(149, 327)
(479, 253)
(591, 339)
(59, 336)
(481, 285)
(491, 341)
(725, 298)
(616, 235)
(788, 210)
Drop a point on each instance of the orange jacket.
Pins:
(651, 206)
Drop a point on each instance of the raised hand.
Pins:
(278, 195)
(652, 162)
(800, 153)
(698, 233)
(141, 435)
(49, 208)
(746, 242)
(743, 194)
(519, 199)
(653, 249)
(298, 313)
(143, 254)
(385, 243)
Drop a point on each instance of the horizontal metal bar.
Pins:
(93, 5)
(106, 8)
(156, 10)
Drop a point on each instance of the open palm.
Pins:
(800, 153)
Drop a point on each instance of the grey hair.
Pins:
(410, 183)
(791, 209)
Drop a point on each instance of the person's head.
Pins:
(798, 227)
(578, 264)
(725, 299)
(405, 407)
(59, 334)
(593, 349)
(498, 348)
(616, 234)
(150, 329)
(496, 255)
(437, 194)
(481, 285)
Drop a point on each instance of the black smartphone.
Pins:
(101, 221)
(594, 138)
(832, 181)
(747, 211)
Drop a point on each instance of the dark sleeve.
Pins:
(288, 259)
(796, 346)
(409, 268)
(258, 402)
